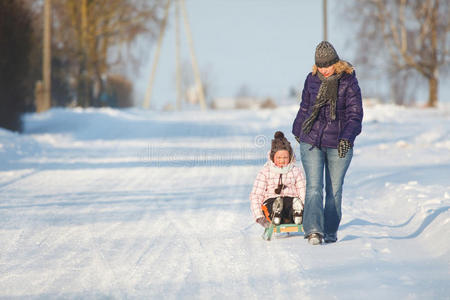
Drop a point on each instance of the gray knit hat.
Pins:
(325, 55)
(280, 143)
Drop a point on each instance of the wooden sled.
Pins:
(282, 228)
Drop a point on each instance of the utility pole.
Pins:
(46, 60)
(198, 81)
(178, 54)
(148, 93)
(179, 5)
(325, 25)
(84, 95)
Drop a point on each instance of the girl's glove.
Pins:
(263, 222)
(343, 148)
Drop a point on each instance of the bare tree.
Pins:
(415, 33)
(95, 33)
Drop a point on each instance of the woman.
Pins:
(327, 123)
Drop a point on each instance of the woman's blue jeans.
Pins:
(316, 218)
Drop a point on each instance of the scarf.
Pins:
(327, 95)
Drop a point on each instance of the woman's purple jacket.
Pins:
(349, 113)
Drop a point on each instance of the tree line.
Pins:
(406, 40)
(91, 42)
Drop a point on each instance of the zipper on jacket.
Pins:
(339, 129)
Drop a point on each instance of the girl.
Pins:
(279, 190)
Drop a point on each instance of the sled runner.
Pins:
(282, 228)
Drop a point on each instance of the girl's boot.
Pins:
(297, 207)
(277, 208)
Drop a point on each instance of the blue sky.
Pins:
(267, 46)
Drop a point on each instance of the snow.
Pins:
(130, 203)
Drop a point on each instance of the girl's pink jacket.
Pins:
(267, 181)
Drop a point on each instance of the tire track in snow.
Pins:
(26, 174)
(109, 282)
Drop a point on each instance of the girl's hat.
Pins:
(325, 55)
(280, 143)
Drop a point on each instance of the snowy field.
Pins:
(103, 203)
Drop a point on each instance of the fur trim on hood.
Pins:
(340, 66)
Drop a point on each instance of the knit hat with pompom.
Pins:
(280, 143)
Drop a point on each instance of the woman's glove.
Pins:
(343, 148)
(263, 222)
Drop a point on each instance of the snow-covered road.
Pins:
(134, 204)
